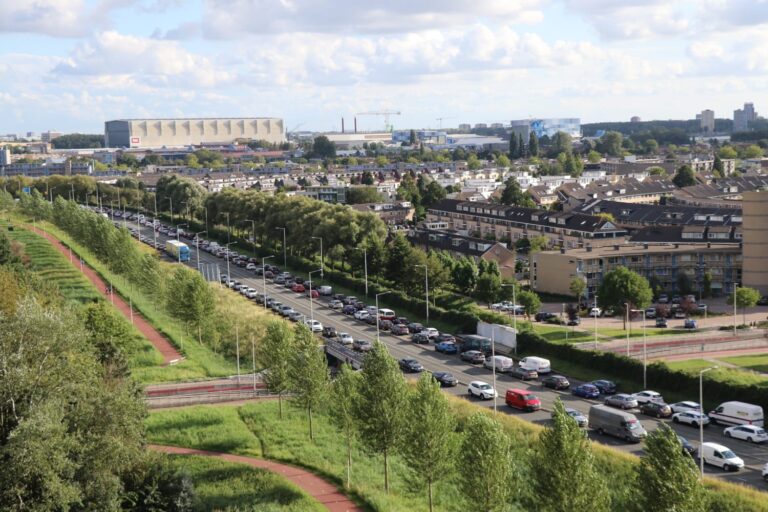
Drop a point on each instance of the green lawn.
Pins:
(690, 365)
(725, 374)
(758, 363)
(221, 485)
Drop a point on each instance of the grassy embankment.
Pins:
(255, 430)
(750, 372)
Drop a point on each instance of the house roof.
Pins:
(648, 214)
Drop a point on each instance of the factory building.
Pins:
(158, 133)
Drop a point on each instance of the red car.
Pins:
(523, 400)
(298, 288)
(315, 294)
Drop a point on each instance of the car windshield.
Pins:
(759, 431)
(484, 386)
(529, 397)
(632, 424)
(728, 454)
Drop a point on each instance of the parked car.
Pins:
(502, 363)
(555, 382)
(385, 325)
(445, 337)
(687, 447)
(415, 327)
(325, 290)
(473, 356)
(616, 423)
(349, 309)
(765, 472)
(446, 347)
(647, 396)
(622, 401)
(480, 389)
(692, 418)
(763, 301)
(750, 433)
(329, 332)
(573, 321)
(314, 325)
(335, 304)
(445, 379)
(581, 419)
(586, 391)
(294, 316)
(399, 329)
(737, 413)
(410, 366)
(663, 299)
(523, 373)
(539, 364)
(685, 406)
(661, 322)
(361, 315)
(650, 313)
(345, 338)
(656, 409)
(401, 320)
(595, 312)
(690, 324)
(720, 456)
(543, 316)
(312, 293)
(362, 345)
(371, 319)
(522, 399)
(420, 338)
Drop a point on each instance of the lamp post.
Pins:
(701, 411)
(264, 276)
(626, 310)
(170, 199)
(645, 346)
(594, 315)
(206, 218)
(228, 228)
(197, 243)
(229, 276)
(253, 228)
(566, 324)
(365, 266)
(311, 310)
(514, 320)
(735, 287)
(321, 254)
(285, 257)
(426, 288)
(377, 312)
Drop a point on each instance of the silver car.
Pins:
(622, 401)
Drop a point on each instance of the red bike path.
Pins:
(324, 492)
(160, 342)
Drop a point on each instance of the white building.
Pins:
(158, 133)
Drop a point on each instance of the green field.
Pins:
(758, 363)
(221, 485)
(743, 376)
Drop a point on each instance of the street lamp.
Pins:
(253, 227)
(177, 236)
(264, 275)
(426, 288)
(229, 276)
(170, 199)
(365, 266)
(701, 411)
(197, 243)
(626, 310)
(321, 254)
(594, 315)
(566, 324)
(377, 312)
(645, 348)
(514, 317)
(311, 311)
(228, 228)
(285, 257)
(735, 287)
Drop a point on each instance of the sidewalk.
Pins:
(160, 342)
(321, 490)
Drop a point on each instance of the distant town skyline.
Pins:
(71, 65)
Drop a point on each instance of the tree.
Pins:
(488, 288)
(513, 195)
(706, 291)
(465, 275)
(538, 243)
(412, 138)
(274, 353)
(514, 150)
(651, 146)
(363, 195)
(611, 143)
(7, 255)
(486, 453)
(753, 151)
(473, 163)
(533, 145)
(684, 177)
(566, 476)
(594, 157)
(684, 283)
(503, 161)
(530, 301)
(621, 286)
(367, 178)
(433, 193)
(381, 405)
(399, 257)
(561, 143)
(656, 171)
(667, 471)
(381, 161)
(718, 170)
(308, 373)
(198, 304)
(429, 443)
(344, 394)
(745, 298)
(577, 286)
(322, 147)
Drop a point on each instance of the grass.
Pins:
(738, 376)
(758, 363)
(221, 485)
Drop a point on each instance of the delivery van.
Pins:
(720, 456)
(737, 413)
(608, 421)
(503, 364)
(537, 364)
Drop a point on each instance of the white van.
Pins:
(386, 314)
(503, 364)
(538, 364)
(737, 413)
(720, 456)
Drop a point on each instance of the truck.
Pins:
(177, 250)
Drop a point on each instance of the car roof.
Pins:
(478, 383)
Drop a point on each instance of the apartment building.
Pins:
(511, 223)
(552, 271)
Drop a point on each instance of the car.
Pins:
(312, 293)
(286, 310)
(693, 418)
(294, 316)
(676, 299)
(765, 472)
(763, 301)
(543, 316)
(595, 312)
(555, 382)
(420, 338)
(446, 347)
(523, 373)
(371, 319)
(329, 332)
(661, 322)
(401, 320)
(622, 401)
(685, 406)
(688, 448)
(276, 305)
(362, 345)
(473, 356)
(719, 455)
(385, 325)
(750, 433)
(522, 399)
(237, 285)
(335, 304)
(348, 309)
(482, 390)
(606, 387)
(679, 314)
(656, 409)
(690, 324)
(350, 300)
(399, 329)
(650, 313)
(431, 332)
(345, 338)
(445, 379)
(314, 325)
(573, 321)
(279, 280)
(647, 396)
(663, 299)
(361, 315)
(581, 419)
(415, 327)
(586, 391)
(410, 366)
(444, 336)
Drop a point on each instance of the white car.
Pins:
(250, 266)
(431, 332)
(685, 406)
(345, 338)
(751, 433)
(647, 396)
(693, 418)
(595, 312)
(362, 314)
(251, 293)
(482, 390)
(765, 472)
(314, 325)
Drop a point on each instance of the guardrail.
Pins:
(344, 353)
(154, 402)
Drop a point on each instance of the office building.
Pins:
(744, 117)
(707, 121)
(755, 211)
(158, 133)
(49, 136)
(465, 127)
(5, 157)
(548, 127)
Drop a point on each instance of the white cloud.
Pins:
(634, 19)
(60, 18)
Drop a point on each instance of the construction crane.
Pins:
(440, 119)
(385, 113)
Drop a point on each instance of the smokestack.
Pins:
(355, 124)
(342, 125)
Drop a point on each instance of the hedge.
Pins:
(659, 376)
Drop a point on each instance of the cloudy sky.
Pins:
(72, 64)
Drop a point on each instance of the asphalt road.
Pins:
(754, 456)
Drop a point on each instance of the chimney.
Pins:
(355, 124)
(342, 125)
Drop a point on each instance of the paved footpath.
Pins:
(160, 342)
(321, 490)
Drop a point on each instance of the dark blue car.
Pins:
(586, 391)
(606, 387)
(447, 347)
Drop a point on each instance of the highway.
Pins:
(400, 347)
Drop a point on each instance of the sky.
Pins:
(70, 65)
